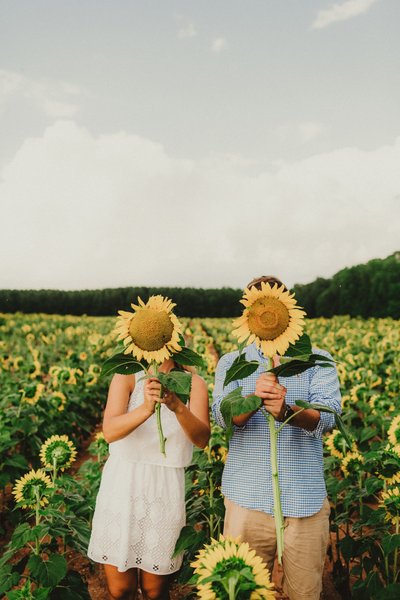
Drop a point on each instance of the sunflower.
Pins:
(32, 488)
(351, 463)
(224, 559)
(271, 319)
(394, 431)
(390, 501)
(151, 331)
(389, 464)
(57, 451)
(337, 445)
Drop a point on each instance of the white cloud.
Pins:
(55, 99)
(80, 211)
(341, 12)
(303, 132)
(186, 27)
(219, 44)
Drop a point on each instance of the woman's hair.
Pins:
(270, 279)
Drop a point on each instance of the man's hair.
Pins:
(270, 279)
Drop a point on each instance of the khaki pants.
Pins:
(305, 544)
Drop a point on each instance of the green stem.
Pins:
(278, 516)
(395, 573)
(232, 588)
(158, 416)
(54, 470)
(211, 496)
(37, 520)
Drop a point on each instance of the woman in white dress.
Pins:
(140, 506)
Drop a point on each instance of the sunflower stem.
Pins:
(37, 520)
(158, 416)
(278, 516)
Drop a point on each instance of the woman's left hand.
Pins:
(171, 400)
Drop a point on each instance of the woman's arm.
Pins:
(195, 421)
(117, 422)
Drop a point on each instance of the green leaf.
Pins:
(323, 408)
(301, 347)
(48, 572)
(188, 357)
(240, 368)
(8, 578)
(121, 363)
(389, 592)
(41, 593)
(234, 405)
(390, 543)
(189, 538)
(22, 534)
(18, 461)
(179, 382)
(299, 365)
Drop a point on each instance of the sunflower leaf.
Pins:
(188, 357)
(301, 364)
(301, 347)
(322, 408)
(234, 405)
(240, 368)
(48, 572)
(179, 382)
(122, 364)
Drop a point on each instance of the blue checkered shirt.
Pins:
(246, 478)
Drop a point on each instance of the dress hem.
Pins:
(105, 562)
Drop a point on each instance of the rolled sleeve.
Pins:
(324, 389)
(220, 391)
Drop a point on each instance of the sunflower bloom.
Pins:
(390, 501)
(57, 451)
(224, 559)
(351, 463)
(31, 488)
(271, 318)
(394, 431)
(151, 332)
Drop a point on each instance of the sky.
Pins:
(196, 143)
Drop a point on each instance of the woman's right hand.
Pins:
(152, 389)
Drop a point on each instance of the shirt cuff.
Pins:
(325, 423)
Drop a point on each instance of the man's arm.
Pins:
(220, 391)
(324, 389)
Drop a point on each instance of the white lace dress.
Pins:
(140, 506)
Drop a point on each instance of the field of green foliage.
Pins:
(51, 402)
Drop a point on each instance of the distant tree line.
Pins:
(369, 290)
(191, 302)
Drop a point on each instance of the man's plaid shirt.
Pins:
(247, 479)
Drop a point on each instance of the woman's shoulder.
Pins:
(126, 382)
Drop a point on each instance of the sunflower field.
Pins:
(52, 452)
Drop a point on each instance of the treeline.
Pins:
(191, 302)
(369, 290)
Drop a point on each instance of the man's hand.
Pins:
(272, 394)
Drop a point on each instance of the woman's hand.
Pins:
(152, 390)
(171, 400)
(272, 393)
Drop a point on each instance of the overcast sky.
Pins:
(195, 142)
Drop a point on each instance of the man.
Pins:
(247, 480)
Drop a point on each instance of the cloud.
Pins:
(186, 28)
(342, 12)
(54, 99)
(303, 132)
(84, 211)
(219, 44)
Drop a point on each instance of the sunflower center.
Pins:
(268, 318)
(151, 329)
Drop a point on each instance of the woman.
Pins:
(140, 507)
